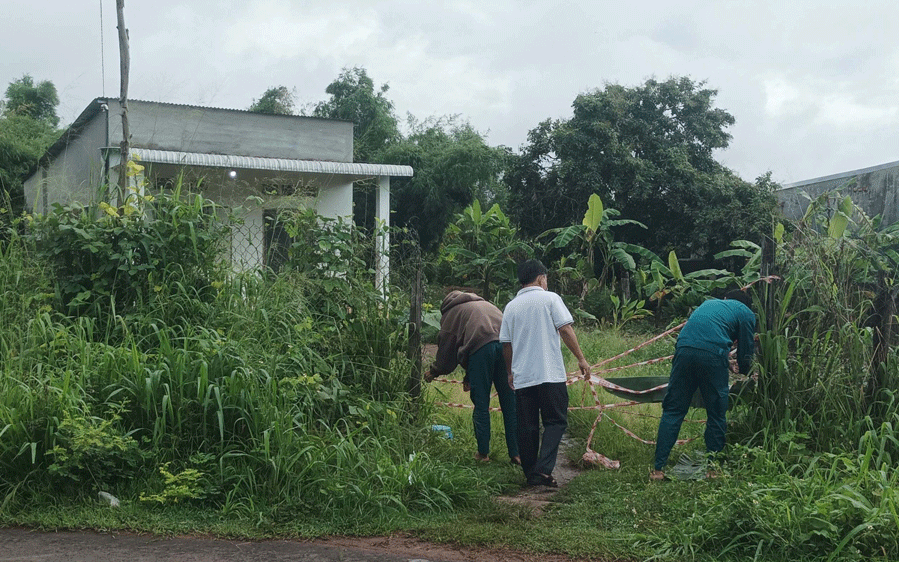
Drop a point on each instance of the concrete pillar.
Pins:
(112, 178)
(382, 221)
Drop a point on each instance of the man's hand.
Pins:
(734, 368)
(428, 376)
(511, 382)
(584, 367)
(568, 336)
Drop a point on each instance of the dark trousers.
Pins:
(547, 402)
(691, 369)
(486, 368)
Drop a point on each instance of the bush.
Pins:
(110, 261)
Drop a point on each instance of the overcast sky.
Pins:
(813, 85)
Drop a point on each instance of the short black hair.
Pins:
(740, 295)
(530, 270)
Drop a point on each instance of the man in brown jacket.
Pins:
(469, 336)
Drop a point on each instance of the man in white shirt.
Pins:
(534, 324)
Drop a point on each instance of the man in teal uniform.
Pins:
(701, 360)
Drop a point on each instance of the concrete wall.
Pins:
(77, 171)
(163, 126)
(75, 175)
(875, 190)
(250, 195)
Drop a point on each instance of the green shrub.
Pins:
(95, 451)
(109, 260)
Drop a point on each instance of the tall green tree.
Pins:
(277, 100)
(453, 165)
(37, 101)
(353, 97)
(649, 151)
(27, 128)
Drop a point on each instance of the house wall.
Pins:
(77, 170)
(875, 190)
(76, 174)
(330, 196)
(163, 126)
(247, 240)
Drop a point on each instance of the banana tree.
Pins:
(481, 247)
(593, 239)
(660, 280)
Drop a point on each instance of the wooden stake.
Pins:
(124, 66)
(414, 349)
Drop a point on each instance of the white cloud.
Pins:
(811, 84)
(274, 29)
(781, 97)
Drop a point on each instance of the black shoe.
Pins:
(548, 481)
(542, 480)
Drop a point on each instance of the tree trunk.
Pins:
(124, 65)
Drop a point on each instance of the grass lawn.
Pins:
(758, 510)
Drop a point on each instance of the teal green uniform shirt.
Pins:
(716, 325)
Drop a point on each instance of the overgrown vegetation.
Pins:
(135, 361)
(132, 364)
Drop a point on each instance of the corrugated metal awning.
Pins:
(272, 164)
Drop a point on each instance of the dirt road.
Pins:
(24, 545)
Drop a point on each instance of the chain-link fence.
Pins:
(394, 254)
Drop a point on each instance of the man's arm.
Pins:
(570, 339)
(447, 358)
(507, 355)
(746, 342)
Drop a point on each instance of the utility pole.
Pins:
(124, 64)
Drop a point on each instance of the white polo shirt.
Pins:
(531, 323)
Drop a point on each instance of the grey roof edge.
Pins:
(93, 108)
(841, 175)
(232, 109)
(72, 131)
(272, 164)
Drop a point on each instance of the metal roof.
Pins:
(273, 164)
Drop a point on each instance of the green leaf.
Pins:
(846, 206)
(566, 235)
(734, 253)
(837, 226)
(593, 217)
(746, 244)
(674, 266)
(476, 211)
(624, 258)
(779, 232)
(714, 273)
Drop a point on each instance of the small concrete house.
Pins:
(875, 190)
(258, 162)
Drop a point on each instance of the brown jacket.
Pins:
(468, 323)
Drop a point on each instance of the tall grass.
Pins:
(815, 363)
(278, 394)
(810, 475)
